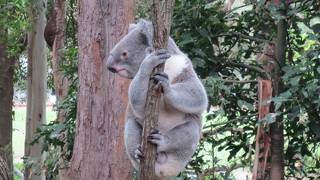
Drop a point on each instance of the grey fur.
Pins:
(183, 101)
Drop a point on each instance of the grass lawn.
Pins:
(19, 128)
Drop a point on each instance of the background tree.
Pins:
(4, 170)
(6, 94)
(36, 89)
(276, 128)
(99, 148)
(59, 135)
(12, 21)
(55, 38)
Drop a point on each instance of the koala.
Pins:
(182, 102)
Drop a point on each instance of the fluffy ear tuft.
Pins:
(132, 27)
(146, 29)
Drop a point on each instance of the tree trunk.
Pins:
(61, 83)
(161, 14)
(36, 88)
(276, 129)
(6, 96)
(4, 170)
(99, 151)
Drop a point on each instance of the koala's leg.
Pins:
(132, 136)
(176, 147)
(139, 86)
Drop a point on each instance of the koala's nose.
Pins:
(112, 69)
(109, 64)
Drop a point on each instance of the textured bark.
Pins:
(50, 29)
(4, 170)
(276, 129)
(61, 83)
(261, 166)
(36, 87)
(6, 95)
(161, 19)
(99, 151)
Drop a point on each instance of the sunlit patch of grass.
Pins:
(19, 128)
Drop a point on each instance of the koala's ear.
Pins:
(132, 27)
(144, 38)
(146, 29)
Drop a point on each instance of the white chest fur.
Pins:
(174, 65)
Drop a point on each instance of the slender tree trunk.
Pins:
(276, 129)
(161, 20)
(99, 151)
(61, 83)
(36, 87)
(6, 96)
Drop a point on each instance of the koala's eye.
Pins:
(124, 54)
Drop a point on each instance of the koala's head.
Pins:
(125, 58)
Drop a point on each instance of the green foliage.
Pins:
(302, 108)
(142, 9)
(13, 20)
(212, 38)
(14, 23)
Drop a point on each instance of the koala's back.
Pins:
(179, 69)
(169, 117)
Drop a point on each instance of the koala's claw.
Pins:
(161, 51)
(138, 153)
(162, 56)
(162, 80)
(154, 135)
(162, 74)
(154, 131)
(159, 139)
(155, 58)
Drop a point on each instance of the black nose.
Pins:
(112, 69)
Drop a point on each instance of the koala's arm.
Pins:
(138, 92)
(139, 86)
(132, 137)
(188, 96)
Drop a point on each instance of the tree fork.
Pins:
(161, 20)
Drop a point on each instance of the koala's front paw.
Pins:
(138, 154)
(162, 81)
(159, 139)
(155, 58)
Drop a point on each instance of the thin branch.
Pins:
(206, 134)
(211, 171)
(261, 71)
(236, 81)
(237, 34)
(232, 120)
(239, 7)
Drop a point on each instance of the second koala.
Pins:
(184, 99)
